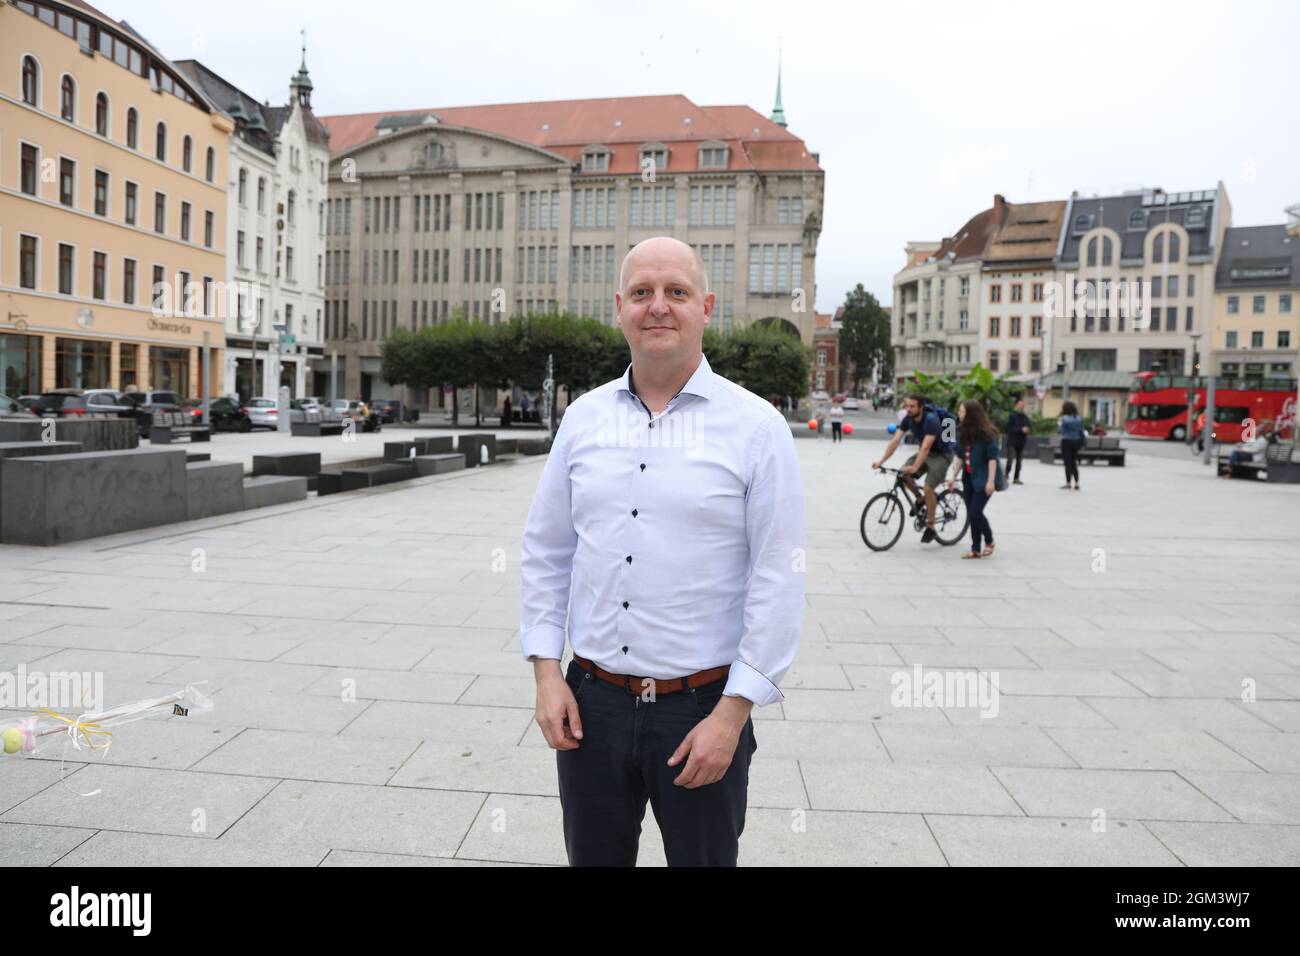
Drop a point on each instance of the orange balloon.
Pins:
(812, 423)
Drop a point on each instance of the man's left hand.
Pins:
(710, 746)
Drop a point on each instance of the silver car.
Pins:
(263, 412)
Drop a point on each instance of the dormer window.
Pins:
(595, 159)
(654, 156)
(713, 156)
(1195, 218)
(1082, 224)
(1137, 219)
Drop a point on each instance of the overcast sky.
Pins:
(921, 112)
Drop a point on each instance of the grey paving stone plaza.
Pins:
(1123, 734)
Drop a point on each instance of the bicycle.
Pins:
(883, 517)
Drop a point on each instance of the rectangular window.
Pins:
(993, 361)
(1233, 305)
(1015, 327)
(67, 181)
(995, 294)
(185, 221)
(30, 165)
(128, 281)
(159, 213)
(1172, 290)
(1189, 319)
(465, 278)
(101, 193)
(1013, 361)
(209, 227)
(99, 278)
(1230, 340)
(1284, 338)
(1257, 304)
(478, 265)
(1191, 284)
(159, 291)
(754, 252)
(1256, 340)
(1157, 289)
(288, 263)
(1284, 303)
(66, 254)
(1035, 326)
(240, 246)
(1037, 295)
(1016, 296)
(995, 326)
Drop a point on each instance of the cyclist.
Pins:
(936, 432)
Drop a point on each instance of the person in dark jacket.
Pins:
(1018, 429)
(1072, 440)
(979, 463)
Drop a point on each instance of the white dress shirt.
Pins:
(673, 544)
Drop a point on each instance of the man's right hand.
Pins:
(557, 708)
(875, 465)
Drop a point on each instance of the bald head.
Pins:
(664, 250)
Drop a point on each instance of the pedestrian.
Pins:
(671, 574)
(1018, 429)
(523, 406)
(505, 412)
(1072, 440)
(821, 418)
(837, 422)
(978, 463)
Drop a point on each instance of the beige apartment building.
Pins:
(1257, 304)
(112, 182)
(493, 211)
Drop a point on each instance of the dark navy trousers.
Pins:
(622, 761)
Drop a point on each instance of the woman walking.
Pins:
(979, 464)
(1072, 440)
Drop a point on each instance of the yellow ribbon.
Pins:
(89, 731)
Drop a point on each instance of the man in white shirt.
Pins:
(667, 528)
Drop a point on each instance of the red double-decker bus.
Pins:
(1158, 405)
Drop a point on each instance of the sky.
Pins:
(920, 112)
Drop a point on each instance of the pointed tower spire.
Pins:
(301, 84)
(778, 113)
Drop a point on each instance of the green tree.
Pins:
(864, 338)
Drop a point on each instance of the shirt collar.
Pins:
(700, 383)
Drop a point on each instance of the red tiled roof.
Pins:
(620, 123)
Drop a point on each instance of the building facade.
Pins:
(494, 211)
(279, 168)
(1149, 246)
(827, 373)
(112, 208)
(1256, 330)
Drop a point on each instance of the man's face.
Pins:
(663, 308)
(1020, 405)
(912, 407)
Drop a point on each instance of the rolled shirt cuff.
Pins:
(744, 681)
(545, 641)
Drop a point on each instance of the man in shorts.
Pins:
(934, 458)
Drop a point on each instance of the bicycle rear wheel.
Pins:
(882, 521)
(951, 519)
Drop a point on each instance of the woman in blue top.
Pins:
(1072, 439)
(979, 464)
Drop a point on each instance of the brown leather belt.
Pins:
(666, 685)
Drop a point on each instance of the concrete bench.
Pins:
(536, 446)
(263, 491)
(1283, 468)
(26, 449)
(50, 499)
(354, 479)
(403, 450)
(295, 463)
(438, 464)
(437, 445)
(328, 482)
(314, 429)
(193, 456)
(507, 446)
(166, 427)
(93, 433)
(1096, 448)
(471, 447)
(213, 488)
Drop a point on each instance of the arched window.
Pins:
(1158, 248)
(1107, 250)
(1092, 251)
(243, 187)
(1174, 251)
(1137, 219)
(132, 128)
(261, 194)
(291, 201)
(31, 81)
(160, 143)
(210, 165)
(187, 153)
(68, 98)
(101, 113)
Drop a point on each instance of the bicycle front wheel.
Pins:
(882, 521)
(951, 520)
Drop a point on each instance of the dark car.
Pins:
(224, 415)
(388, 410)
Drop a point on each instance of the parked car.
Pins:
(263, 412)
(224, 414)
(389, 410)
(146, 403)
(88, 401)
(10, 408)
(851, 404)
(27, 401)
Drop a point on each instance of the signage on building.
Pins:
(182, 328)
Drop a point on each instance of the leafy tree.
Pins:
(864, 337)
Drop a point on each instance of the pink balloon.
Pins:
(848, 429)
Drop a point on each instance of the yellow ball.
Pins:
(13, 738)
